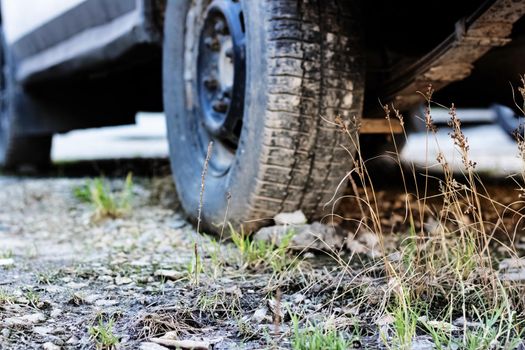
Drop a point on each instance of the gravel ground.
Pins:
(62, 274)
(71, 281)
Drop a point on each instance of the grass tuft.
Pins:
(102, 335)
(106, 203)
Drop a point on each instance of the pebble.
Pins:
(25, 320)
(5, 332)
(122, 280)
(7, 262)
(294, 218)
(56, 313)
(152, 346)
(315, 236)
(170, 274)
(50, 346)
(106, 302)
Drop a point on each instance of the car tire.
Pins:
(303, 66)
(17, 148)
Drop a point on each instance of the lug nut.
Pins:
(220, 106)
(211, 83)
(212, 43)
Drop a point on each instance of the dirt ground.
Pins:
(62, 272)
(68, 281)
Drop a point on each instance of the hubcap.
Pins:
(221, 72)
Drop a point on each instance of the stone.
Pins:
(170, 274)
(259, 315)
(56, 313)
(152, 346)
(295, 218)
(25, 320)
(315, 236)
(170, 339)
(50, 346)
(106, 302)
(122, 280)
(7, 262)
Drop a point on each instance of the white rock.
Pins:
(512, 263)
(356, 247)
(314, 236)
(7, 262)
(385, 320)
(294, 218)
(441, 325)
(73, 340)
(170, 274)
(462, 322)
(106, 302)
(122, 280)
(152, 346)
(50, 346)
(259, 315)
(74, 285)
(25, 320)
(42, 330)
(90, 299)
(56, 313)
(5, 332)
(422, 343)
(105, 278)
(170, 339)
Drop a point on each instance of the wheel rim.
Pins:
(221, 80)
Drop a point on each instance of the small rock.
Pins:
(25, 320)
(152, 346)
(105, 278)
(314, 236)
(259, 315)
(50, 346)
(170, 274)
(295, 218)
(385, 320)
(6, 332)
(74, 285)
(298, 298)
(513, 275)
(143, 262)
(356, 247)
(422, 343)
(122, 280)
(106, 302)
(513, 263)
(43, 330)
(462, 322)
(177, 223)
(73, 340)
(441, 325)
(90, 299)
(56, 313)
(7, 262)
(171, 339)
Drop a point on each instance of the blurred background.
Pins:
(492, 145)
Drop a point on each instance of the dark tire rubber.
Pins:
(304, 67)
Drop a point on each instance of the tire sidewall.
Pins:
(229, 191)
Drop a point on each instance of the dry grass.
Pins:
(445, 266)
